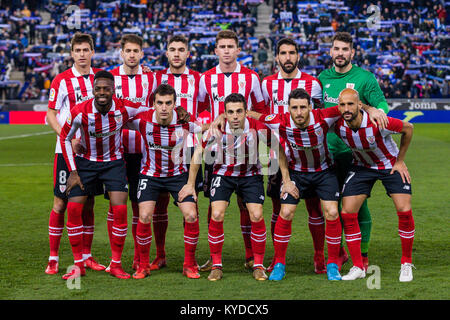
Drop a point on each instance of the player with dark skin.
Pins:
(103, 97)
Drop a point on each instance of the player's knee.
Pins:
(217, 215)
(145, 217)
(191, 217)
(287, 213)
(331, 214)
(59, 205)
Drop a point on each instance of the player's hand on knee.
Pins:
(186, 191)
(290, 188)
(73, 180)
(401, 168)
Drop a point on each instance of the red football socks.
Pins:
(281, 236)
(144, 241)
(406, 233)
(55, 231)
(88, 230)
(160, 223)
(215, 240)
(258, 239)
(246, 227)
(75, 230)
(276, 207)
(119, 232)
(316, 223)
(333, 235)
(353, 237)
(191, 232)
(134, 222)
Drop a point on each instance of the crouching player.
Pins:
(375, 157)
(306, 167)
(164, 169)
(237, 169)
(100, 121)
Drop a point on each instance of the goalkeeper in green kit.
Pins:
(344, 75)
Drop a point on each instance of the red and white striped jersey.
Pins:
(372, 148)
(237, 155)
(306, 150)
(165, 153)
(68, 89)
(100, 134)
(276, 90)
(137, 88)
(216, 85)
(186, 86)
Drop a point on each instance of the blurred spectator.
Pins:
(407, 49)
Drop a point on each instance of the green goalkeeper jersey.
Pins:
(357, 78)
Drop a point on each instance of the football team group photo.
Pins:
(168, 128)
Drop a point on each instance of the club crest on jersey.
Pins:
(350, 85)
(118, 117)
(270, 117)
(319, 132)
(191, 82)
(62, 188)
(371, 139)
(145, 85)
(241, 84)
(52, 94)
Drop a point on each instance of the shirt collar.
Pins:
(246, 127)
(77, 74)
(238, 68)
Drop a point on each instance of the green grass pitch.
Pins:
(26, 200)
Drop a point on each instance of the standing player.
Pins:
(133, 84)
(100, 121)
(375, 157)
(343, 75)
(186, 83)
(236, 169)
(276, 89)
(164, 169)
(68, 89)
(215, 85)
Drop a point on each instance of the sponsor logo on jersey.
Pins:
(217, 98)
(105, 134)
(329, 99)
(155, 146)
(279, 102)
(297, 147)
(185, 96)
(80, 98)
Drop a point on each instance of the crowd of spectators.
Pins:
(404, 43)
(407, 49)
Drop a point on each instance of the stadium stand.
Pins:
(407, 50)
